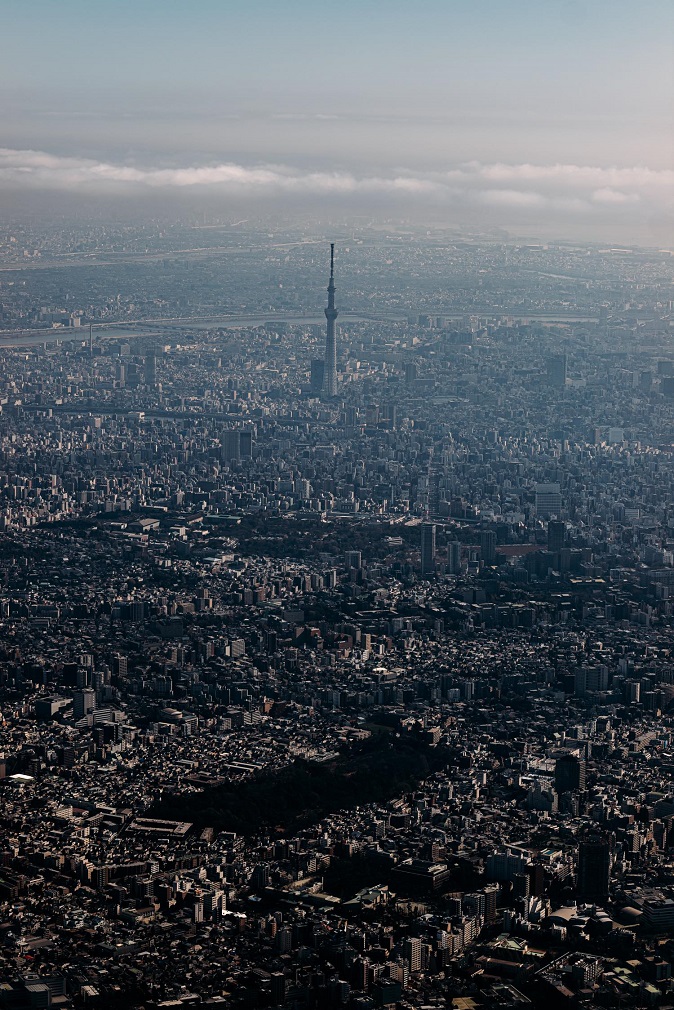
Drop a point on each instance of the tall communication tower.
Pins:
(330, 372)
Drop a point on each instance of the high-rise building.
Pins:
(427, 548)
(317, 375)
(150, 370)
(279, 987)
(284, 939)
(488, 546)
(548, 500)
(490, 895)
(556, 535)
(556, 369)
(504, 865)
(119, 666)
(246, 444)
(330, 368)
(84, 702)
(521, 885)
(569, 773)
(594, 867)
(231, 444)
(412, 953)
(454, 557)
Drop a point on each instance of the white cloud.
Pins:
(564, 188)
(614, 196)
(512, 198)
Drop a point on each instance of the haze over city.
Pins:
(552, 117)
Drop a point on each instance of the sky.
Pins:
(539, 113)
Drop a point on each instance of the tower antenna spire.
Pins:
(332, 259)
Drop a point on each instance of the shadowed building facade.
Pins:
(594, 867)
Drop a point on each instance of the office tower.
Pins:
(427, 548)
(594, 866)
(317, 375)
(646, 381)
(556, 535)
(632, 692)
(521, 885)
(548, 500)
(390, 414)
(372, 415)
(246, 444)
(569, 774)
(150, 370)
(260, 877)
(536, 875)
(556, 369)
(454, 557)
(353, 559)
(284, 939)
(504, 865)
(488, 546)
(119, 666)
(83, 676)
(279, 987)
(231, 444)
(330, 373)
(84, 702)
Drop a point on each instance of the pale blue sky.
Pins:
(367, 89)
(590, 65)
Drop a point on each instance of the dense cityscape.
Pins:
(335, 643)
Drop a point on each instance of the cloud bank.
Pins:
(570, 189)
